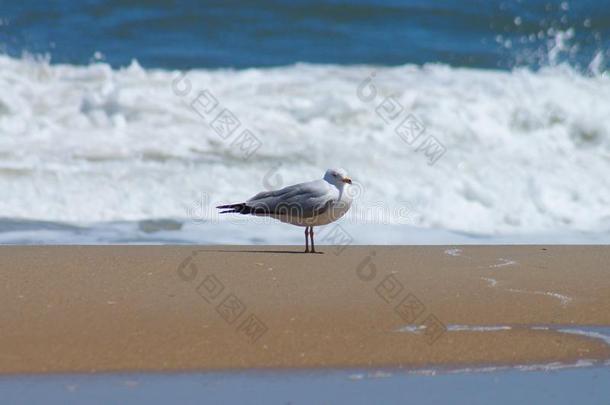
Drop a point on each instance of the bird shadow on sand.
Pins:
(289, 252)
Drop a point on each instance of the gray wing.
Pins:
(302, 200)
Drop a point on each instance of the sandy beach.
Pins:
(165, 308)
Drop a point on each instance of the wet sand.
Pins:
(156, 308)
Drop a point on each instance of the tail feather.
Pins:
(240, 208)
(228, 206)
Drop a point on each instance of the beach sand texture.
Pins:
(165, 308)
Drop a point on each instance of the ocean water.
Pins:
(460, 122)
(507, 386)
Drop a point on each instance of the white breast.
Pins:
(336, 211)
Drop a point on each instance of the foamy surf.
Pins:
(532, 149)
(601, 333)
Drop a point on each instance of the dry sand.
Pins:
(110, 308)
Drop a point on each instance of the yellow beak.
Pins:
(347, 180)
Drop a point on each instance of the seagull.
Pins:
(310, 204)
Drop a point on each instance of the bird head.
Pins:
(337, 177)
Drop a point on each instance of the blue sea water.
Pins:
(188, 34)
(567, 386)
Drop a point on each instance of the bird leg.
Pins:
(313, 249)
(306, 240)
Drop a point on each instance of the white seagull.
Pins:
(310, 204)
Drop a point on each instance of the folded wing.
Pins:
(302, 200)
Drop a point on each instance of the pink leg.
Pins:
(313, 249)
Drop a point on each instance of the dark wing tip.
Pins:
(229, 206)
(240, 208)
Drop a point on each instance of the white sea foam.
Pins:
(545, 367)
(564, 299)
(457, 328)
(525, 151)
(453, 252)
(491, 281)
(594, 332)
(503, 263)
(477, 328)
(370, 375)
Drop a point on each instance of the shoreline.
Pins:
(368, 372)
(126, 309)
(255, 232)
